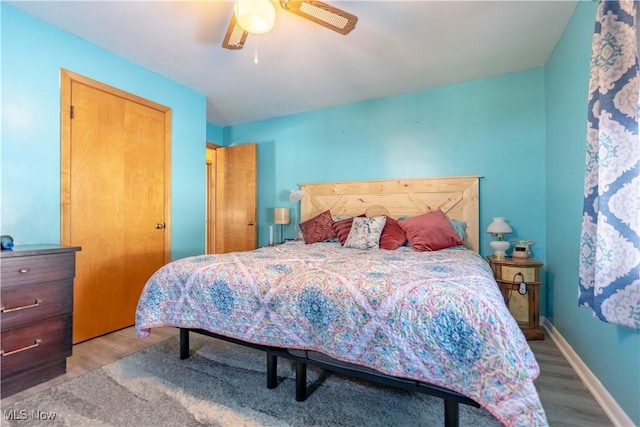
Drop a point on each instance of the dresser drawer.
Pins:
(508, 274)
(34, 269)
(37, 343)
(21, 305)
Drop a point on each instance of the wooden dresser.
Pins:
(36, 305)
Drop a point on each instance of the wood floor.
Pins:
(566, 400)
(564, 397)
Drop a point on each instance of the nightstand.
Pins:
(510, 273)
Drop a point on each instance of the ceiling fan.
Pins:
(258, 16)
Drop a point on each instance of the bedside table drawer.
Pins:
(35, 269)
(23, 348)
(509, 273)
(21, 305)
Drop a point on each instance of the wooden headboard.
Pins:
(456, 196)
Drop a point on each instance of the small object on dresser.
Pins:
(6, 242)
(521, 248)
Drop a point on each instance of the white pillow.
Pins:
(365, 232)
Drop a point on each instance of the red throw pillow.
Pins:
(343, 227)
(318, 229)
(431, 231)
(392, 235)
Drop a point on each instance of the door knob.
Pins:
(251, 223)
(159, 226)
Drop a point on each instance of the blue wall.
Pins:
(611, 352)
(33, 53)
(215, 134)
(492, 127)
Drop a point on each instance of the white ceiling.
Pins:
(397, 47)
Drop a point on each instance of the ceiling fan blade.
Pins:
(323, 14)
(235, 37)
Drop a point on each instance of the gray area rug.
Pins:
(224, 384)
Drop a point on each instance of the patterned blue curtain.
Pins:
(610, 239)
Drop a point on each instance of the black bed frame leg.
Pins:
(451, 412)
(301, 382)
(184, 343)
(272, 371)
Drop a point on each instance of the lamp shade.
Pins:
(499, 226)
(255, 16)
(281, 216)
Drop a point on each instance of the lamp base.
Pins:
(499, 255)
(499, 248)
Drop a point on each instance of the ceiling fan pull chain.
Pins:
(255, 57)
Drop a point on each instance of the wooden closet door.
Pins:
(116, 203)
(235, 198)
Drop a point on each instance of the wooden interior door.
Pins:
(235, 198)
(115, 197)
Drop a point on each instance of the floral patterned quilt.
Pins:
(437, 317)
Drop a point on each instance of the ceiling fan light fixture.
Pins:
(235, 37)
(255, 16)
(321, 13)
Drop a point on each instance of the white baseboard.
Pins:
(617, 416)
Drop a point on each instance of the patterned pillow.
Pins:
(392, 235)
(431, 231)
(342, 228)
(318, 229)
(365, 232)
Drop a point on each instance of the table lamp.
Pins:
(281, 216)
(499, 228)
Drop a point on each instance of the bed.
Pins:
(432, 321)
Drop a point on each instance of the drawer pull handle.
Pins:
(9, 353)
(23, 271)
(9, 310)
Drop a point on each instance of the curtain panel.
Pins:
(609, 282)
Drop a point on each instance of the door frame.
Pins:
(66, 79)
(211, 197)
